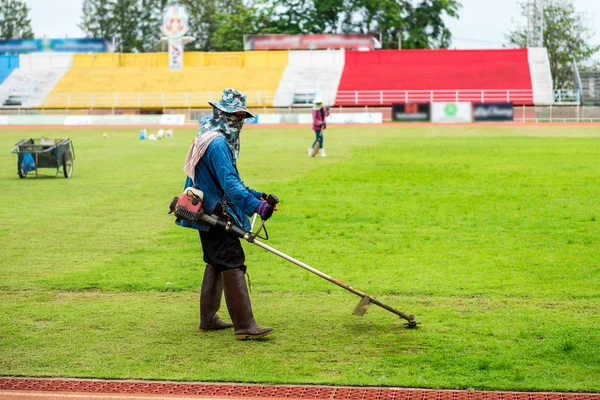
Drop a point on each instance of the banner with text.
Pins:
(340, 118)
(312, 42)
(84, 45)
(493, 112)
(166, 119)
(411, 112)
(449, 113)
(175, 54)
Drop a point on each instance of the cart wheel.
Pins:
(22, 174)
(68, 164)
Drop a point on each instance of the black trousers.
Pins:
(222, 250)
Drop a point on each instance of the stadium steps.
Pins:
(541, 78)
(310, 73)
(30, 88)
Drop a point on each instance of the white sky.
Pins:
(482, 23)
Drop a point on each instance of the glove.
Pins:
(264, 209)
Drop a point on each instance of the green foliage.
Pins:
(14, 20)
(134, 24)
(221, 24)
(232, 27)
(419, 23)
(126, 22)
(97, 19)
(150, 19)
(567, 37)
(487, 234)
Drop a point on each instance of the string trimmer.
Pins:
(188, 206)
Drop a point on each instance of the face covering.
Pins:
(228, 125)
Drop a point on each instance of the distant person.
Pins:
(319, 114)
(211, 165)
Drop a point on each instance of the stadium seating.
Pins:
(30, 83)
(309, 73)
(471, 71)
(7, 65)
(144, 80)
(282, 78)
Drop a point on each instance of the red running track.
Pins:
(75, 389)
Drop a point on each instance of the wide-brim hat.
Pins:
(231, 102)
(317, 100)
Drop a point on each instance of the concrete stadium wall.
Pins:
(190, 59)
(99, 60)
(317, 58)
(95, 60)
(44, 61)
(7, 65)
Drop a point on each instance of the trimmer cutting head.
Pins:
(364, 303)
(362, 306)
(411, 324)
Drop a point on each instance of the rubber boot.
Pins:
(240, 310)
(210, 301)
(322, 153)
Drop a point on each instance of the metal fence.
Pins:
(557, 114)
(146, 100)
(388, 97)
(521, 113)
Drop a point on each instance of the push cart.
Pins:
(34, 154)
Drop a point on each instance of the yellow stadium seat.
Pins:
(145, 81)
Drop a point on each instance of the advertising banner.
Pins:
(270, 119)
(312, 42)
(411, 112)
(78, 120)
(449, 113)
(167, 120)
(3, 120)
(176, 54)
(175, 24)
(493, 112)
(345, 118)
(172, 119)
(85, 45)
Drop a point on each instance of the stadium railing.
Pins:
(260, 99)
(147, 100)
(388, 97)
(522, 114)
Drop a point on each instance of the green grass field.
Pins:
(490, 235)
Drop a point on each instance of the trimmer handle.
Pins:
(272, 199)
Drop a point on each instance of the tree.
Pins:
(566, 37)
(119, 19)
(14, 20)
(418, 25)
(202, 22)
(150, 20)
(232, 27)
(126, 25)
(97, 20)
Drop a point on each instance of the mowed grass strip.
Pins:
(488, 234)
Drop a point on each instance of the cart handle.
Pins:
(16, 148)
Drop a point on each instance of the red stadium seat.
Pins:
(389, 76)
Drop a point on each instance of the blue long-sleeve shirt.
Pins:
(217, 164)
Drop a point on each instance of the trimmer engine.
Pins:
(188, 206)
